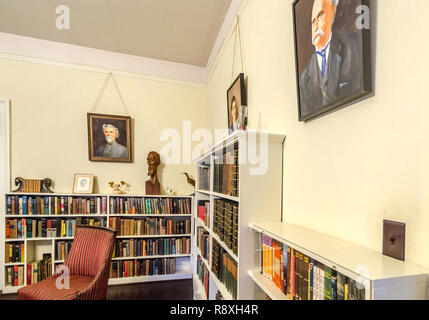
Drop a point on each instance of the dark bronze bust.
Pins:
(152, 185)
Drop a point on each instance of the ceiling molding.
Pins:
(52, 52)
(24, 48)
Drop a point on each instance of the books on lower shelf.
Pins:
(39, 270)
(14, 276)
(151, 247)
(300, 277)
(139, 205)
(150, 226)
(226, 172)
(47, 228)
(147, 267)
(14, 252)
(203, 274)
(225, 268)
(225, 223)
(203, 242)
(42, 222)
(53, 205)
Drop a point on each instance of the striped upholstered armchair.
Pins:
(89, 267)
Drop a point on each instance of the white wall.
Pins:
(346, 172)
(49, 106)
(4, 171)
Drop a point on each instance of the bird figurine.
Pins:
(189, 179)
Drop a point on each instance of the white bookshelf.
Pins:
(384, 278)
(259, 197)
(34, 248)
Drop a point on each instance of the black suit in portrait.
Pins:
(343, 76)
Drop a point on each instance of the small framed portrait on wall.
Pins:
(83, 183)
(109, 138)
(237, 104)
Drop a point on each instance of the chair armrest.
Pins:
(97, 286)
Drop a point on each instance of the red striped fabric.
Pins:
(89, 264)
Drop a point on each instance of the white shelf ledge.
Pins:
(224, 196)
(200, 288)
(132, 215)
(267, 285)
(152, 257)
(184, 274)
(341, 255)
(221, 287)
(155, 236)
(228, 250)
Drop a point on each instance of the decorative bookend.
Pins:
(394, 239)
(33, 186)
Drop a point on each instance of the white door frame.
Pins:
(4, 177)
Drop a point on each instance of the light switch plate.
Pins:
(394, 239)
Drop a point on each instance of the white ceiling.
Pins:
(182, 31)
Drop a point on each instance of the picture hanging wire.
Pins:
(106, 82)
(237, 31)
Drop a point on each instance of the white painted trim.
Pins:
(5, 175)
(22, 48)
(67, 55)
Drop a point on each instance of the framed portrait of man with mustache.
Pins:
(332, 55)
(109, 138)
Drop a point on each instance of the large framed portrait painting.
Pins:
(332, 53)
(109, 138)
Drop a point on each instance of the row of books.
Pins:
(62, 249)
(225, 268)
(203, 274)
(39, 270)
(204, 212)
(300, 277)
(14, 276)
(150, 226)
(151, 247)
(138, 205)
(226, 173)
(203, 242)
(225, 223)
(49, 205)
(137, 268)
(47, 228)
(203, 178)
(14, 252)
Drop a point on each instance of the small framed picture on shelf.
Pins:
(109, 138)
(83, 183)
(237, 105)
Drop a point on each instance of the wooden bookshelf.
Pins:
(35, 247)
(383, 278)
(259, 195)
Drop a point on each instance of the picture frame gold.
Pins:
(117, 129)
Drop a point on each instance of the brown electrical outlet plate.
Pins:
(394, 239)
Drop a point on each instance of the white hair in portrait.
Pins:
(111, 126)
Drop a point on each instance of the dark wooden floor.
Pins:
(163, 290)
